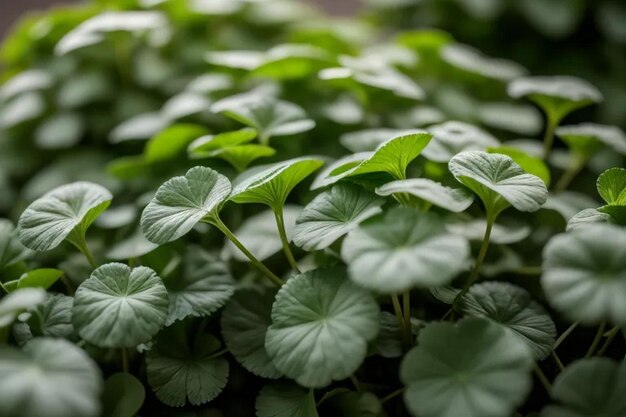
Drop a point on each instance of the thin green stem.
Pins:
(81, 244)
(596, 339)
(391, 396)
(528, 270)
(125, 365)
(558, 361)
(218, 353)
(217, 222)
(68, 285)
(406, 308)
(397, 309)
(355, 382)
(548, 137)
(280, 223)
(609, 338)
(566, 333)
(542, 378)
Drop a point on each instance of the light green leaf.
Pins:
(453, 199)
(586, 139)
(204, 286)
(612, 186)
(271, 185)
(332, 214)
(292, 61)
(140, 127)
(11, 249)
(120, 307)
(455, 364)
(182, 368)
(61, 131)
(182, 202)
(25, 82)
(39, 278)
(172, 141)
(244, 323)
(402, 249)
(260, 235)
(240, 156)
(208, 143)
(514, 308)
(516, 118)
(501, 234)
(321, 324)
(471, 60)
(185, 104)
(528, 163)
(498, 181)
(48, 377)
(63, 213)
(269, 116)
(285, 400)
(339, 169)
(123, 395)
(452, 137)
(244, 60)
(588, 217)
(585, 274)
(19, 301)
(22, 109)
(369, 139)
(575, 396)
(568, 203)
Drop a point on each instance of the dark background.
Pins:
(10, 10)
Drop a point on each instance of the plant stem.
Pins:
(81, 244)
(479, 261)
(280, 223)
(548, 137)
(542, 378)
(596, 340)
(218, 353)
(397, 309)
(355, 382)
(392, 395)
(3, 287)
(68, 285)
(406, 308)
(609, 338)
(558, 361)
(125, 366)
(565, 334)
(217, 222)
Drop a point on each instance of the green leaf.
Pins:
(586, 139)
(11, 249)
(388, 343)
(271, 185)
(61, 131)
(53, 318)
(332, 214)
(205, 144)
(182, 202)
(452, 137)
(48, 377)
(321, 324)
(453, 199)
(588, 217)
(574, 396)
(181, 368)
(245, 60)
(63, 213)
(514, 308)
(244, 322)
(455, 364)
(25, 82)
(402, 249)
(39, 278)
(520, 119)
(369, 139)
(568, 203)
(120, 307)
(240, 156)
(260, 235)
(269, 116)
(471, 60)
(612, 186)
(556, 95)
(172, 141)
(292, 61)
(123, 396)
(185, 104)
(22, 109)
(140, 127)
(501, 234)
(528, 163)
(585, 274)
(498, 181)
(135, 246)
(203, 287)
(19, 301)
(285, 400)
(339, 169)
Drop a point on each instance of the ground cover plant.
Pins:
(240, 208)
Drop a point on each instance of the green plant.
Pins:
(208, 202)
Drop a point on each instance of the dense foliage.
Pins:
(237, 208)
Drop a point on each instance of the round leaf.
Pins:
(285, 400)
(588, 217)
(321, 324)
(453, 199)
(455, 364)
(11, 249)
(501, 234)
(528, 163)
(182, 202)
(48, 377)
(54, 317)
(403, 249)
(612, 186)
(473, 61)
(119, 306)
(452, 137)
(64, 213)
(123, 396)
(332, 214)
(18, 301)
(585, 274)
(585, 139)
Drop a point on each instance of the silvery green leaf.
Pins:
(241, 59)
(588, 138)
(473, 61)
(453, 199)
(11, 249)
(501, 234)
(185, 104)
(140, 127)
(117, 217)
(19, 301)
(182, 202)
(332, 214)
(54, 317)
(529, 163)
(516, 118)
(21, 109)
(63, 213)
(569, 203)
(450, 138)
(402, 249)
(321, 324)
(134, 246)
(61, 131)
(369, 139)
(588, 217)
(120, 307)
(24, 82)
(285, 400)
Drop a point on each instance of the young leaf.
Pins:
(19, 301)
(119, 306)
(172, 141)
(585, 274)
(244, 323)
(64, 213)
(402, 249)
(48, 377)
(586, 139)
(452, 199)
(498, 181)
(332, 214)
(339, 169)
(206, 144)
(576, 397)
(123, 395)
(453, 364)
(611, 186)
(181, 368)
(321, 324)
(11, 249)
(182, 202)
(271, 185)
(285, 400)
(39, 278)
(239, 156)
(204, 286)
(514, 308)
(452, 137)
